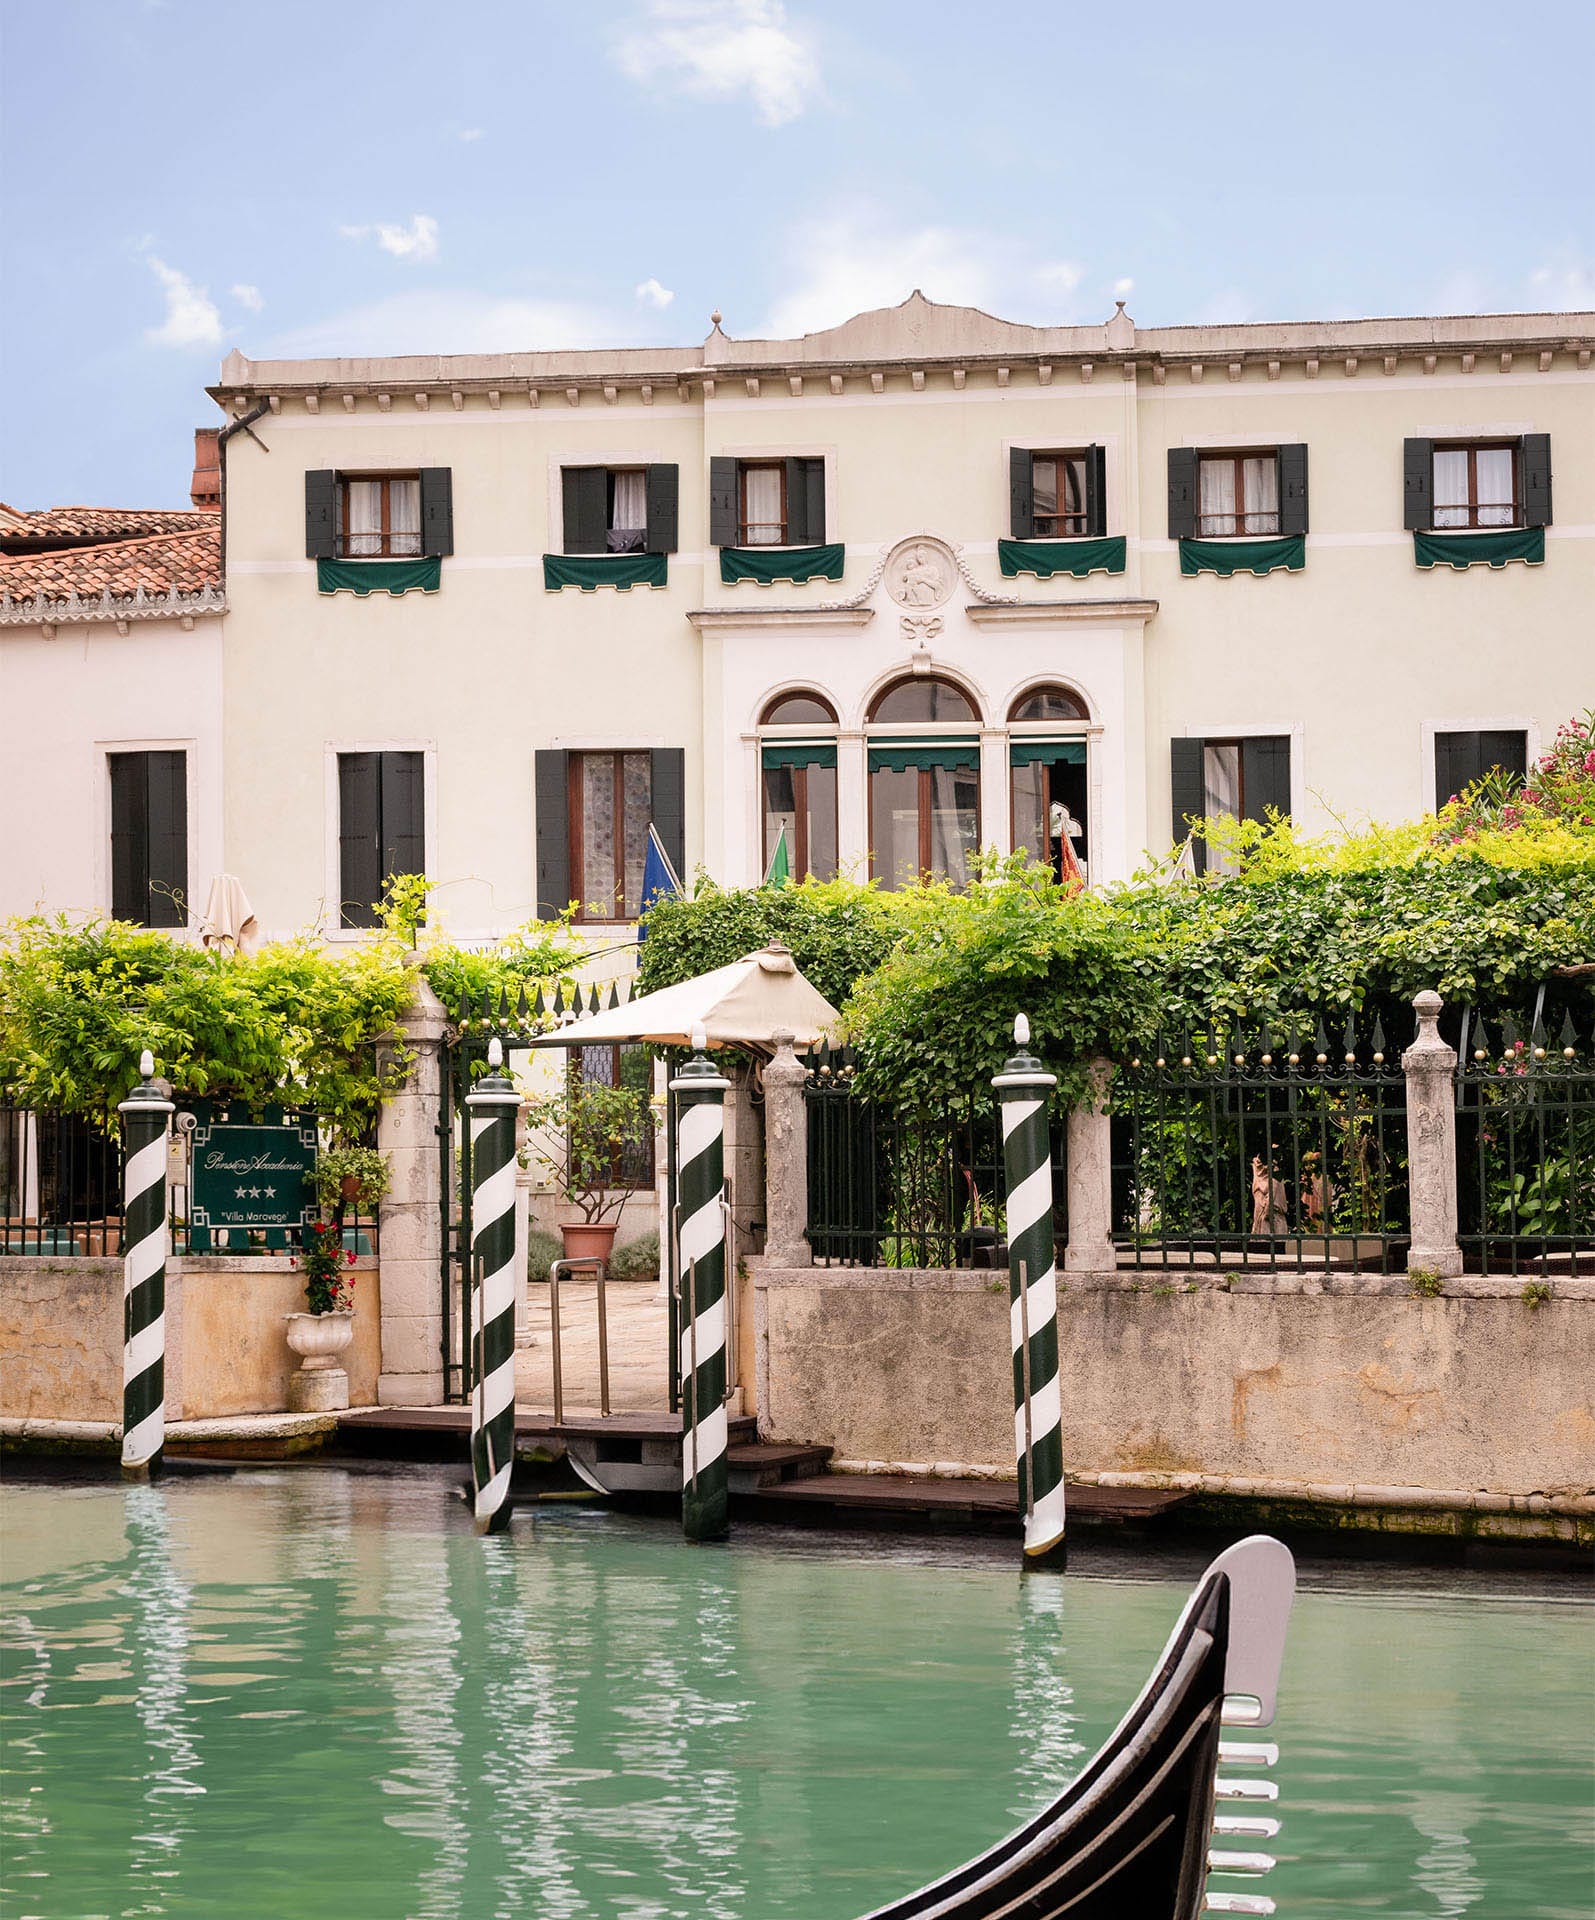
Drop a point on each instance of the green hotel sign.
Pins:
(252, 1172)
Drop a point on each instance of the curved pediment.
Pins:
(915, 329)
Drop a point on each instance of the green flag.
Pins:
(779, 871)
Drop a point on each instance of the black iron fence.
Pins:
(1256, 1150)
(1526, 1145)
(900, 1187)
(60, 1184)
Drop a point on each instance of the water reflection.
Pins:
(318, 1693)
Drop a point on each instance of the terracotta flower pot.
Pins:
(589, 1239)
(349, 1186)
(319, 1338)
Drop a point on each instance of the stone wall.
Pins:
(1334, 1382)
(226, 1352)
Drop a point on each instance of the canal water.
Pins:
(317, 1693)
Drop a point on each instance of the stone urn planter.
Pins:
(589, 1239)
(320, 1339)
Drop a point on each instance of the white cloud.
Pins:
(1566, 285)
(651, 294)
(191, 316)
(248, 297)
(860, 257)
(452, 320)
(471, 133)
(418, 241)
(722, 50)
(1123, 288)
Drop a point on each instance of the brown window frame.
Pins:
(616, 1181)
(801, 865)
(1473, 448)
(1059, 530)
(385, 480)
(575, 768)
(744, 524)
(923, 802)
(1239, 456)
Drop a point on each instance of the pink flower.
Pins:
(349, 1256)
(1589, 763)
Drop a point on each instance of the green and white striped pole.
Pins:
(700, 1177)
(493, 1103)
(1024, 1090)
(146, 1114)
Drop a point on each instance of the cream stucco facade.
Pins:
(1357, 659)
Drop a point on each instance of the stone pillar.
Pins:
(786, 1158)
(1430, 1067)
(411, 1218)
(1090, 1248)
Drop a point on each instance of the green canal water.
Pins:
(312, 1692)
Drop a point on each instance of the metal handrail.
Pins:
(600, 1269)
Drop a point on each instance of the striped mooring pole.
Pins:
(700, 1176)
(146, 1115)
(1024, 1090)
(494, 1103)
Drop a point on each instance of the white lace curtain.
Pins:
(628, 513)
(1259, 502)
(761, 507)
(364, 534)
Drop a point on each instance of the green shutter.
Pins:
(437, 511)
(1182, 493)
(1096, 492)
(1293, 489)
(586, 509)
(1021, 493)
(1534, 479)
(321, 514)
(723, 514)
(403, 814)
(1265, 775)
(551, 787)
(662, 484)
(1188, 786)
(167, 773)
(359, 838)
(805, 502)
(1417, 471)
(129, 838)
(668, 772)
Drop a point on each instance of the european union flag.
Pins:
(659, 879)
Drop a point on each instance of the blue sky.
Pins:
(324, 176)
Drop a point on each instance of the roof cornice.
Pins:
(52, 611)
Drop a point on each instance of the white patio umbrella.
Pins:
(743, 1005)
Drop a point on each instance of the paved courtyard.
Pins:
(639, 1361)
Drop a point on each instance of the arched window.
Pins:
(797, 785)
(924, 782)
(1047, 779)
(1049, 703)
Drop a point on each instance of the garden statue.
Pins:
(1269, 1215)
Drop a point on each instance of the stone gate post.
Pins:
(1430, 1067)
(786, 1158)
(1090, 1248)
(411, 1216)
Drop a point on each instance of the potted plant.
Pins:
(578, 1135)
(357, 1176)
(321, 1335)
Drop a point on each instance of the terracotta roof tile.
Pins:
(103, 523)
(187, 559)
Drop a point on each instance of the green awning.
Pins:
(379, 576)
(768, 564)
(1492, 548)
(1046, 753)
(911, 755)
(793, 753)
(1244, 556)
(1044, 558)
(589, 570)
